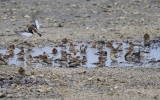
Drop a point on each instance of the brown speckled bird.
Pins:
(64, 41)
(102, 53)
(120, 47)
(84, 60)
(27, 45)
(21, 70)
(146, 40)
(21, 54)
(93, 44)
(71, 47)
(54, 51)
(32, 28)
(83, 49)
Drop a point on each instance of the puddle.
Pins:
(146, 60)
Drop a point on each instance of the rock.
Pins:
(3, 18)
(40, 90)
(13, 20)
(7, 30)
(2, 95)
(100, 79)
(9, 95)
(27, 16)
(116, 87)
(44, 89)
(91, 78)
(41, 75)
(69, 76)
(13, 85)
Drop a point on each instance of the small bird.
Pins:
(30, 60)
(120, 47)
(61, 61)
(102, 59)
(21, 71)
(76, 62)
(100, 46)
(83, 49)
(137, 55)
(11, 46)
(73, 53)
(113, 57)
(114, 50)
(93, 44)
(64, 41)
(54, 51)
(27, 45)
(30, 29)
(43, 59)
(102, 53)
(4, 59)
(128, 55)
(71, 48)
(9, 52)
(146, 40)
(99, 63)
(131, 46)
(21, 54)
(109, 43)
(63, 53)
(74, 59)
(84, 60)
(48, 61)
(45, 55)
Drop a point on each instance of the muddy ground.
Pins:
(86, 20)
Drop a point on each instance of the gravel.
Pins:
(84, 20)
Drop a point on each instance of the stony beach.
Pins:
(79, 20)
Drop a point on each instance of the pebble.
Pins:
(7, 30)
(41, 75)
(27, 16)
(90, 79)
(9, 96)
(3, 18)
(2, 95)
(100, 79)
(69, 76)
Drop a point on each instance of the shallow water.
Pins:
(146, 58)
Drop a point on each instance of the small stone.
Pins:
(2, 95)
(3, 18)
(41, 75)
(69, 76)
(9, 95)
(14, 9)
(100, 79)
(14, 85)
(148, 6)
(7, 30)
(89, 79)
(27, 16)
(13, 20)
(115, 87)
(40, 90)
(157, 28)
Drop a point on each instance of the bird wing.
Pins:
(35, 22)
(23, 33)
